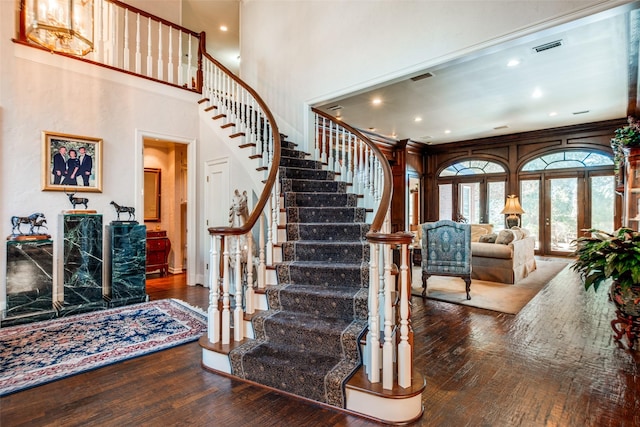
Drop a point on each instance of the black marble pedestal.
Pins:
(80, 264)
(125, 263)
(29, 282)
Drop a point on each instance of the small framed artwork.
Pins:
(71, 163)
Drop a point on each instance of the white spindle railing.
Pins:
(387, 357)
(239, 108)
(123, 34)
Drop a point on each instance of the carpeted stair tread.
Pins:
(291, 152)
(327, 215)
(320, 200)
(321, 301)
(314, 333)
(327, 231)
(330, 252)
(313, 185)
(317, 273)
(272, 366)
(297, 162)
(303, 173)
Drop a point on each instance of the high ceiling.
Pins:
(579, 70)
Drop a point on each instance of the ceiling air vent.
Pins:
(580, 112)
(501, 127)
(422, 76)
(335, 107)
(548, 46)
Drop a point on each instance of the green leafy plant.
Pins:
(602, 256)
(626, 136)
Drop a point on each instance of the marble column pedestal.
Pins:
(80, 287)
(29, 282)
(125, 263)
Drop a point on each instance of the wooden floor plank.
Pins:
(553, 364)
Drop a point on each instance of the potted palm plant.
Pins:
(602, 256)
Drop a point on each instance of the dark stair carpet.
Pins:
(307, 342)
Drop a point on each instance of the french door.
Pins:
(559, 205)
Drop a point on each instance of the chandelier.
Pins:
(60, 25)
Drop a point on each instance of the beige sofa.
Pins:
(497, 262)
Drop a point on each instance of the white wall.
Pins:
(40, 91)
(296, 52)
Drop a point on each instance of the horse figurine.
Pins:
(35, 220)
(238, 215)
(124, 209)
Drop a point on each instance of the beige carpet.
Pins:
(489, 295)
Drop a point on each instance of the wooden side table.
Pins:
(158, 248)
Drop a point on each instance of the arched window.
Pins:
(566, 160)
(472, 167)
(472, 190)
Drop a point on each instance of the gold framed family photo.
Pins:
(71, 163)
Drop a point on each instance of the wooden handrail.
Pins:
(387, 190)
(275, 162)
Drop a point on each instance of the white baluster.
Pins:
(322, 144)
(238, 327)
(388, 347)
(262, 268)
(149, 58)
(160, 62)
(189, 76)
(125, 53)
(350, 158)
(213, 332)
(404, 348)
(331, 160)
(170, 66)
(270, 232)
(316, 151)
(138, 52)
(342, 167)
(226, 314)
(248, 296)
(373, 337)
(181, 79)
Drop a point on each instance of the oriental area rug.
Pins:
(501, 297)
(40, 352)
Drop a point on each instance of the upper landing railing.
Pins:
(133, 41)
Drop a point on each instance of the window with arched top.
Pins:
(472, 167)
(568, 160)
(472, 190)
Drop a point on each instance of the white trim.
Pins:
(192, 205)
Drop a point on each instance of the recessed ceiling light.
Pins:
(553, 114)
(417, 119)
(537, 93)
(376, 101)
(447, 131)
(223, 28)
(513, 63)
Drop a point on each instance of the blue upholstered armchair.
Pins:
(446, 251)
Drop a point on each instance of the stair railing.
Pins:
(130, 40)
(251, 121)
(357, 160)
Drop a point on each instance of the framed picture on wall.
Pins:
(71, 163)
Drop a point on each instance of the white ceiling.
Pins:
(583, 80)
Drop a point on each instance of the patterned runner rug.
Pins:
(41, 352)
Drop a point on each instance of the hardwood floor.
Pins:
(553, 364)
